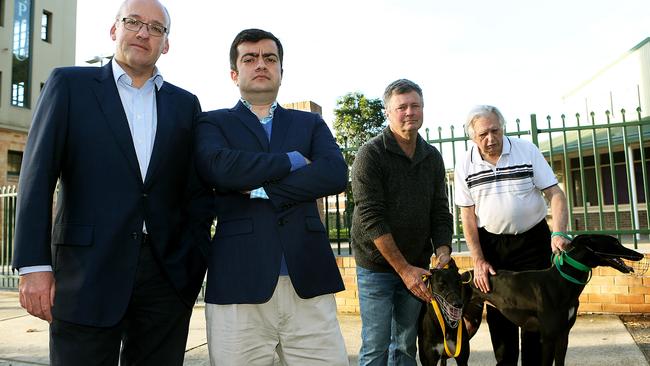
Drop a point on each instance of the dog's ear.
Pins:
(452, 265)
(467, 276)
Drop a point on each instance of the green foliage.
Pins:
(357, 120)
(343, 233)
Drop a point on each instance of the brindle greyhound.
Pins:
(436, 341)
(547, 300)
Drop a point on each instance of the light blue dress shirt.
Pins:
(140, 109)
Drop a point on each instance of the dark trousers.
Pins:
(526, 251)
(153, 331)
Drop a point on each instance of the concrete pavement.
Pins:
(594, 340)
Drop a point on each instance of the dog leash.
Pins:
(560, 259)
(441, 320)
(459, 332)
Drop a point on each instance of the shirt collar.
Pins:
(271, 110)
(119, 73)
(390, 144)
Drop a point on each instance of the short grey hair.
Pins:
(119, 15)
(401, 86)
(482, 111)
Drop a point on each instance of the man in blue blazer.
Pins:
(271, 272)
(118, 271)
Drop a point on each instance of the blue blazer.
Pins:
(80, 136)
(233, 154)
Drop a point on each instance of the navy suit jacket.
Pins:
(80, 137)
(233, 155)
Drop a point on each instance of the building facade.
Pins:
(623, 84)
(35, 37)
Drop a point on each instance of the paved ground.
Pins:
(595, 339)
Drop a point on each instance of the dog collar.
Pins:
(560, 259)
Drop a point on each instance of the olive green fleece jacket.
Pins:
(401, 196)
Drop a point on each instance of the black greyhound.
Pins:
(436, 343)
(547, 300)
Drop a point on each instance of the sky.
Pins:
(519, 55)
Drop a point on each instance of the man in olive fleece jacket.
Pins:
(401, 214)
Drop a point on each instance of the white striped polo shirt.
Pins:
(507, 197)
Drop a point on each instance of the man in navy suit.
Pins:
(118, 271)
(271, 272)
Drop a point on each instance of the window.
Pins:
(46, 26)
(618, 185)
(14, 160)
(18, 94)
(20, 70)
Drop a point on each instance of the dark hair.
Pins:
(252, 35)
(400, 86)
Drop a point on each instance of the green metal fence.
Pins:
(602, 163)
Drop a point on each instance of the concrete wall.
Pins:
(623, 84)
(44, 55)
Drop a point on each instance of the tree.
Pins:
(357, 120)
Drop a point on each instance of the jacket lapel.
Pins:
(281, 122)
(111, 105)
(250, 120)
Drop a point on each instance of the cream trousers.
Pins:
(303, 332)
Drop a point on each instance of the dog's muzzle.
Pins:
(451, 313)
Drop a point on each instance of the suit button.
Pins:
(282, 222)
(144, 195)
(134, 235)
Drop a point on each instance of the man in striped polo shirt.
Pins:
(499, 188)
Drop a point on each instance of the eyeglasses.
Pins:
(135, 25)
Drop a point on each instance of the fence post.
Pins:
(533, 129)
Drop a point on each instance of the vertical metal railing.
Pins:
(644, 165)
(595, 160)
(618, 153)
(8, 219)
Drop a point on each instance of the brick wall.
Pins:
(609, 291)
(609, 220)
(9, 140)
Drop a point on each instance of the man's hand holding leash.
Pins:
(412, 278)
(443, 254)
(559, 241)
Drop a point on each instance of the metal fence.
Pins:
(602, 166)
(8, 220)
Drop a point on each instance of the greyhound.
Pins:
(547, 300)
(439, 341)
